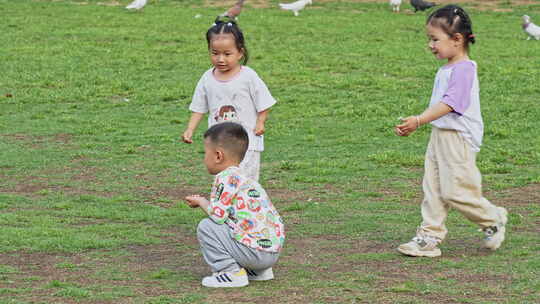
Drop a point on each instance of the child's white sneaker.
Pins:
(227, 279)
(260, 275)
(494, 235)
(421, 246)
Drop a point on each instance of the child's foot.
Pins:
(260, 275)
(227, 279)
(494, 235)
(421, 246)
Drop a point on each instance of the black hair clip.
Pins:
(225, 19)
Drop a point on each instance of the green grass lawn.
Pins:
(93, 100)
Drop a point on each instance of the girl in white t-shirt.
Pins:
(451, 178)
(231, 91)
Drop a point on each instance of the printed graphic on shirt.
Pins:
(264, 243)
(219, 190)
(254, 205)
(253, 193)
(226, 113)
(232, 214)
(233, 181)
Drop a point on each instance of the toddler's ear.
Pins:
(220, 155)
(458, 37)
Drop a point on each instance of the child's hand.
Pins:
(186, 137)
(409, 125)
(194, 201)
(259, 129)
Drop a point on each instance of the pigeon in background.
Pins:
(421, 5)
(235, 10)
(295, 6)
(530, 28)
(395, 5)
(137, 4)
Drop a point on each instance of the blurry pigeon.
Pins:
(395, 5)
(530, 28)
(235, 10)
(295, 6)
(421, 5)
(137, 4)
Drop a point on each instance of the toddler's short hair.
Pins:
(230, 136)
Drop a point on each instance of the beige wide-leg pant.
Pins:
(251, 164)
(451, 179)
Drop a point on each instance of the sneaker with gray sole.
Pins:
(421, 246)
(260, 275)
(227, 279)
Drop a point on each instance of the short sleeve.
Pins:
(260, 94)
(458, 93)
(199, 102)
(224, 190)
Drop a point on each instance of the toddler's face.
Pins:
(211, 157)
(440, 43)
(224, 54)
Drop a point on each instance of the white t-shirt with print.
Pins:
(238, 99)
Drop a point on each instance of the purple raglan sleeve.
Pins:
(458, 94)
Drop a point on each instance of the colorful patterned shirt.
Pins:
(244, 206)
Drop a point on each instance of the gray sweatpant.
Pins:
(223, 253)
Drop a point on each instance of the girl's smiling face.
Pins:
(224, 54)
(442, 45)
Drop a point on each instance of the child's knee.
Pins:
(204, 226)
(448, 196)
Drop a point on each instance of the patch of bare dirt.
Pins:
(38, 186)
(37, 141)
(156, 193)
(518, 202)
(333, 258)
(133, 269)
(326, 258)
(288, 196)
(517, 197)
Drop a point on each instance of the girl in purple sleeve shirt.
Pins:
(451, 178)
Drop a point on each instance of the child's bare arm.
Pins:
(261, 120)
(411, 123)
(195, 201)
(194, 121)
